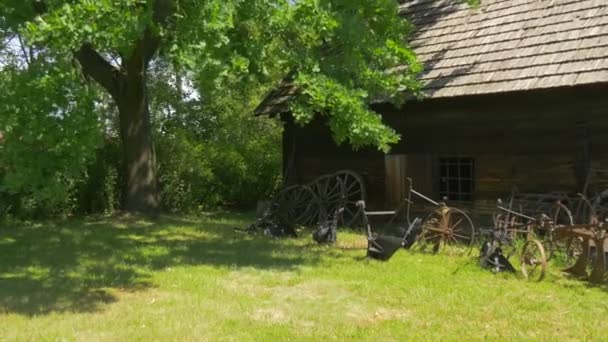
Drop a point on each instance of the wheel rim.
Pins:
(354, 191)
(327, 192)
(296, 204)
(574, 248)
(533, 260)
(561, 215)
(344, 188)
(447, 228)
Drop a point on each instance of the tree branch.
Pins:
(161, 13)
(98, 68)
(26, 56)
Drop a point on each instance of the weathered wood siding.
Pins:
(531, 140)
(313, 152)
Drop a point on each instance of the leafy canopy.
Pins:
(340, 54)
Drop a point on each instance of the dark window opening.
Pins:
(456, 178)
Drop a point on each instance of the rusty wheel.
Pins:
(296, 204)
(446, 228)
(583, 211)
(533, 260)
(560, 216)
(574, 248)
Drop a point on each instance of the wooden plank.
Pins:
(395, 179)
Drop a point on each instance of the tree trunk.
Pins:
(141, 193)
(127, 85)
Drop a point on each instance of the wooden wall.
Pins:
(531, 140)
(311, 151)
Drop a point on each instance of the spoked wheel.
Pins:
(446, 228)
(296, 204)
(341, 188)
(560, 217)
(574, 249)
(533, 260)
(583, 211)
(354, 191)
(327, 190)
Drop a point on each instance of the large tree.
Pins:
(337, 53)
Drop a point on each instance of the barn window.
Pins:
(456, 178)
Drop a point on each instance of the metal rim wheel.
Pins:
(354, 191)
(561, 216)
(296, 203)
(447, 228)
(574, 248)
(533, 260)
(584, 211)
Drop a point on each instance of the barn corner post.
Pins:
(289, 150)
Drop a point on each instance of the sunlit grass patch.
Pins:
(194, 278)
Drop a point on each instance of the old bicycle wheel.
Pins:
(296, 204)
(533, 261)
(446, 228)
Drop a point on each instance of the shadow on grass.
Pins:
(78, 266)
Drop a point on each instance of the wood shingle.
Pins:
(506, 45)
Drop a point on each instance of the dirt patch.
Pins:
(270, 315)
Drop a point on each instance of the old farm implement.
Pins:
(546, 230)
(444, 228)
(309, 204)
(500, 244)
(585, 243)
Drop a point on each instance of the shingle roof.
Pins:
(507, 45)
(500, 46)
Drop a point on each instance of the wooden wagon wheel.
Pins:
(326, 189)
(341, 188)
(353, 191)
(533, 260)
(447, 228)
(296, 204)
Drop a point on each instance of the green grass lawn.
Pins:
(195, 279)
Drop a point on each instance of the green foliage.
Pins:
(99, 190)
(212, 152)
(342, 54)
(50, 131)
(109, 24)
(216, 60)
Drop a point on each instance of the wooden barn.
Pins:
(515, 95)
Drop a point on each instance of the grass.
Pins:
(195, 279)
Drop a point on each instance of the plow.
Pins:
(533, 228)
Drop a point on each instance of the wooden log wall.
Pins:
(528, 139)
